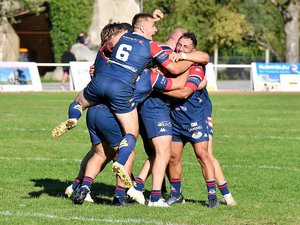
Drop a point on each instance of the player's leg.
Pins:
(221, 182)
(201, 151)
(78, 180)
(162, 146)
(95, 164)
(120, 198)
(175, 171)
(136, 191)
(129, 123)
(75, 112)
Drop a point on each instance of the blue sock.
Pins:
(155, 195)
(175, 186)
(76, 183)
(120, 192)
(211, 188)
(75, 110)
(87, 183)
(224, 188)
(125, 148)
(139, 184)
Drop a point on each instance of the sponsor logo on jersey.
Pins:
(164, 124)
(197, 135)
(162, 130)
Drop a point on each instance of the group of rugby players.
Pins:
(139, 86)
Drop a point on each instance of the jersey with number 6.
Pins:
(131, 55)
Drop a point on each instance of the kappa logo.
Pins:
(162, 130)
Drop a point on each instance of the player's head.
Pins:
(126, 26)
(112, 29)
(187, 43)
(144, 24)
(176, 34)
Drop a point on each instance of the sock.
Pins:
(211, 188)
(75, 110)
(139, 184)
(76, 183)
(224, 188)
(155, 195)
(125, 148)
(120, 192)
(87, 183)
(175, 186)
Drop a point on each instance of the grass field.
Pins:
(257, 139)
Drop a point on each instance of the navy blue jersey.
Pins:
(192, 108)
(131, 55)
(148, 81)
(101, 59)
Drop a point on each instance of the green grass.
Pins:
(257, 138)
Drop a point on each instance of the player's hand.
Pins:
(158, 15)
(175, 57)
(92, 70)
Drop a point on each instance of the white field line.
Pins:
(271, 167)
(78, 218)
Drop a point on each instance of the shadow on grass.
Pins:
(56, 188)
(200, 202)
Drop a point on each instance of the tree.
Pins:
(290, 14)
(228, 27)
(10, 8)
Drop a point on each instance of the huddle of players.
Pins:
(186, 122)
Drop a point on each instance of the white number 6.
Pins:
(123, 52)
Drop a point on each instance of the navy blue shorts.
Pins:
(103, 125)
(194, 132)
(109, 89)
(155, 115)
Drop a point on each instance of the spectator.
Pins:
(82, 39)
(66, 57)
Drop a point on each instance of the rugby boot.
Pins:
(229, 200)
(119, 169)
(213, 203)
(64, 127)
(175, 199)
(160, 203)
(80, 195)
(136, 195)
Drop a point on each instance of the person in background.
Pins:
(66, 57)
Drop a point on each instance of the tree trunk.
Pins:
(291, 29)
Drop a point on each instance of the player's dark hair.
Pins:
(112, 29)
(139, 17)
(127, 26)
(192, 36)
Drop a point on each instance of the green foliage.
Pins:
(228, 27)
(256, 139)
(9, 8)
(68, 18)
(249, 27)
